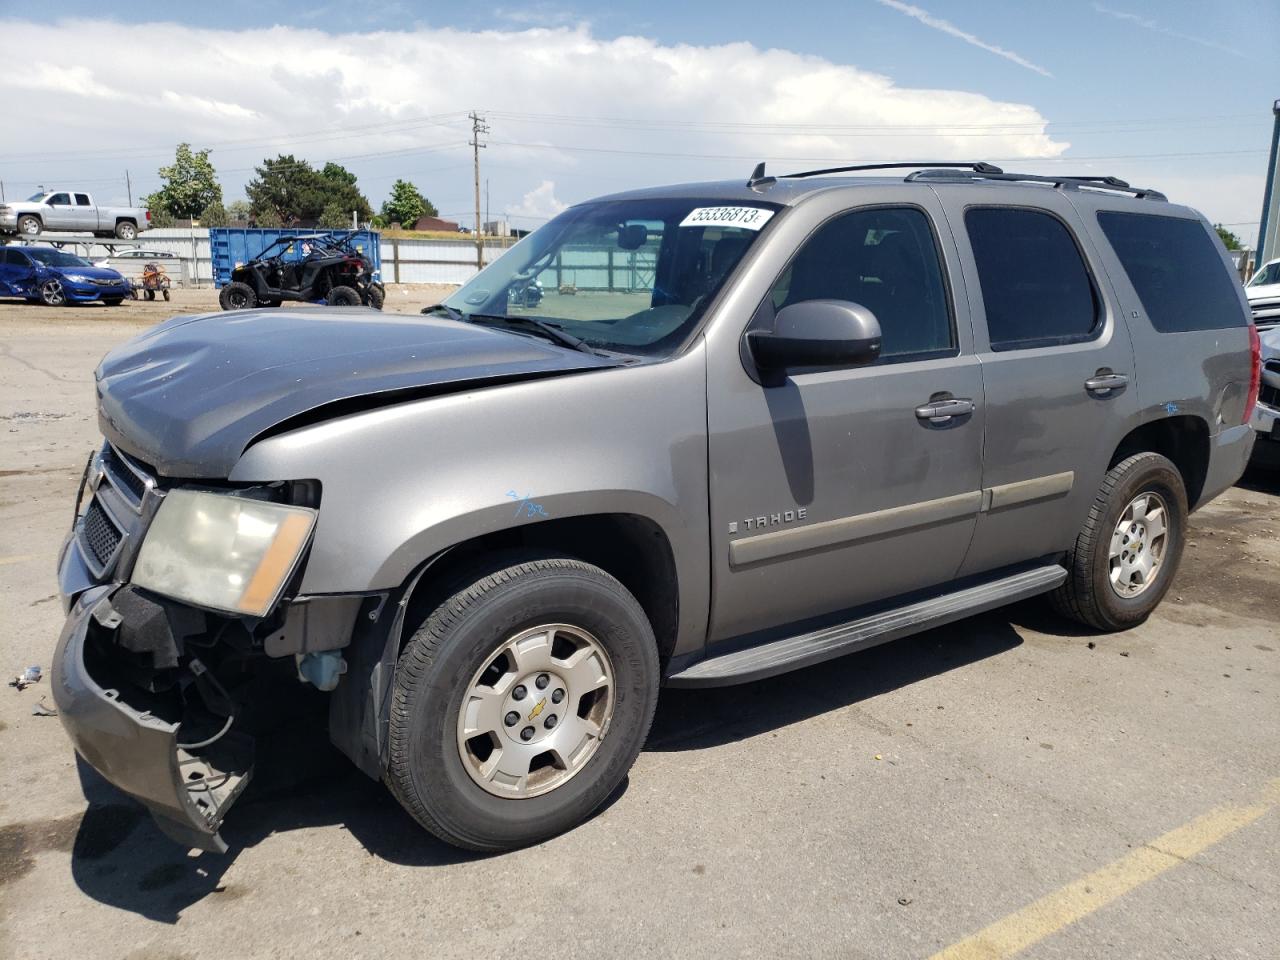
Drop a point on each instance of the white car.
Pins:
(1263, 291)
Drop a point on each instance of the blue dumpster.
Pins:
(230, 246)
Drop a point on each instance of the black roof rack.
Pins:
(964, 171)
(1098, 183)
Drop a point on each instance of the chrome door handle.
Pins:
(1103, 383)
(941, 411)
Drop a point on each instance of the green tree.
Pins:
(1229, 239)
(190, 185)
(294, 190)
(214, 215)
(406, 205)
(160, 217)
(335, 216)
(239, 210)
(268, 218)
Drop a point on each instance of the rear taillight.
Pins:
(148, 216)
(1255, 372)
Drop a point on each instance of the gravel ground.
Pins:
(885, 805)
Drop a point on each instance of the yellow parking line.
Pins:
(1077, 900)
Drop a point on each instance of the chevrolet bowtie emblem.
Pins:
(537, 710)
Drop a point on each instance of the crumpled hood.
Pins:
(192, 393)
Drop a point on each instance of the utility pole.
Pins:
(128, 185)
(486, 203)
(478, 127)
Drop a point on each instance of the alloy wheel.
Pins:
(1138, 545)
(537, 710)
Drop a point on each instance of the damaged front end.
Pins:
(154, 721)
(160, 693)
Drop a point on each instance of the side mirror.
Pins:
(815, 333)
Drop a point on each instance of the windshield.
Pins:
(1267, 275)
(631, 276)
(56, 258)
(37, 197)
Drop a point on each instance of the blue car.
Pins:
(56, 278)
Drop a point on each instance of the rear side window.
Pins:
(1035, 286)
(82, 200)
(1176, 270)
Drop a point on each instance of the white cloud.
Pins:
(393, 104)
(540, 203)
(949, 28)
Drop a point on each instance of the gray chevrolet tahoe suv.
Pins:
(694, 435)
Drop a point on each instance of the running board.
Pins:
(805, 649)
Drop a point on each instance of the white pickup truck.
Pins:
(71, 211)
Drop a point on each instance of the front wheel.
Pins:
(343, 297)
(29, 226)
(377, 295)
(52, 294)
(520, 704)
(237, 296)
(1128, 551)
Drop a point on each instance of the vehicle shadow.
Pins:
(301, 782)
(696, 719)
(1261, 480)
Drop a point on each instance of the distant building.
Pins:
(435, 223)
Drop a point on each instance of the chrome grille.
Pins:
(100, 535)
(124, 500)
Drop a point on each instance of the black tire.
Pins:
(377, 296)
(425, 770)
(165, 292)
(237, 296)
(113, 301)
(151, 295)
(1087, 596)
(29, 226)
(343, 297)
(126, 230)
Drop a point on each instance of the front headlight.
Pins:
(228, 553)
(77, 278)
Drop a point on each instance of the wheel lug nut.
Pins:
(511, 719)
(550, 722)
(542, 681)
(557, 696)
(526, 734)
(519, 692)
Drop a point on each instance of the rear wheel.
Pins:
(377, 296)
(1128, 551)
(343, 297)
(237, 296)
(151, 295)
(503, 699)
(126, 230)
(52, 294)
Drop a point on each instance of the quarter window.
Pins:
(1035, 287)
(886, 260)
(1176, 270)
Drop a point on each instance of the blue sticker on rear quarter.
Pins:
(746, 218)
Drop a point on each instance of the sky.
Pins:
(586, 99)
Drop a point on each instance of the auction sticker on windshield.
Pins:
(748, 218)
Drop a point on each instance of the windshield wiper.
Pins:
(548, 330)
(451, 312)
